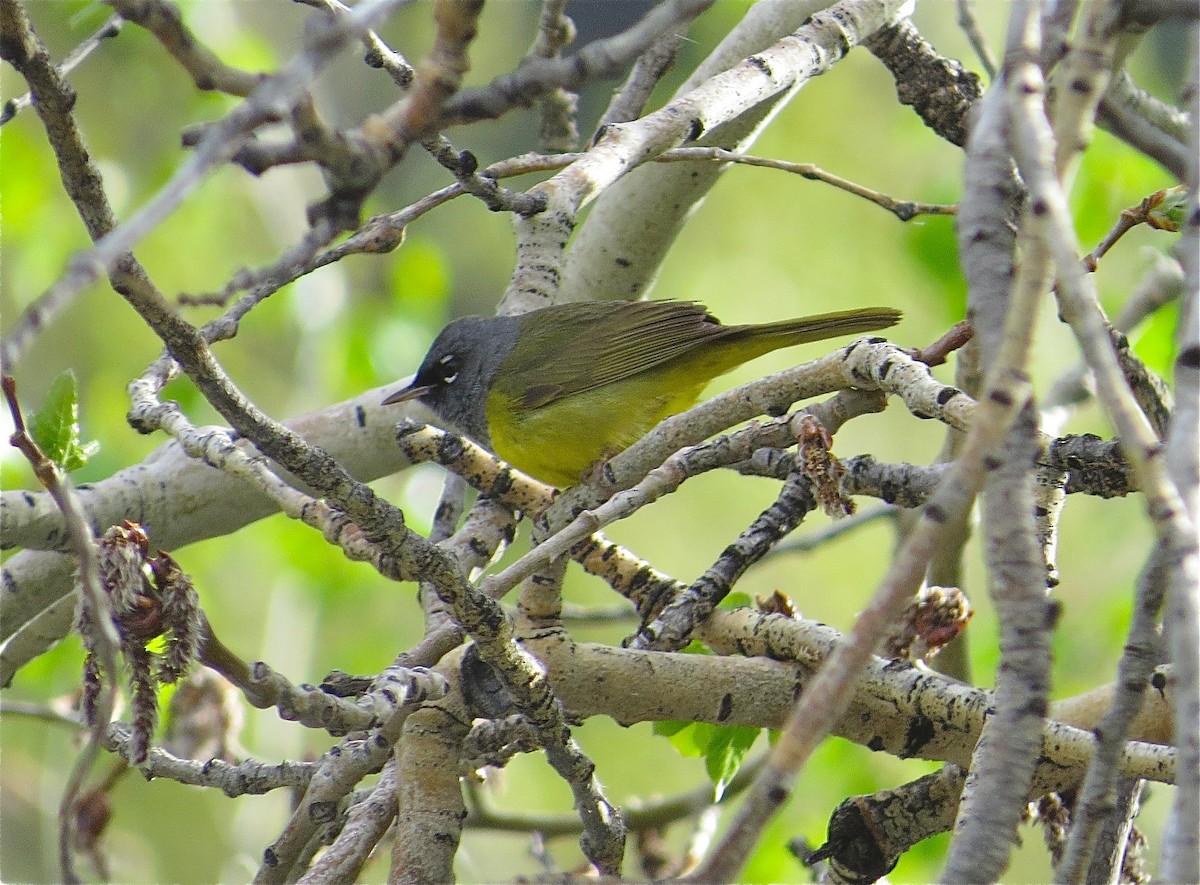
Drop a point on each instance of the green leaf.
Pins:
(726, 751)
(689, 738)
(723, 747)
(55, 426)
(668, 728)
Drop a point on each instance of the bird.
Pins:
(555, 391)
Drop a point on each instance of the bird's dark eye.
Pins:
(448, 368)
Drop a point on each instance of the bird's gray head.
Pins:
(456, 374)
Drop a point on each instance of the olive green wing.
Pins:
(573, 348)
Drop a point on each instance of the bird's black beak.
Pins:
(407, 394)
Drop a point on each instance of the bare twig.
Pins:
(1149, 211)
(1004, 762)
(905, 210)
(955, 338)
(1171, 515)
(265, 104)
(970, 27)
(74, 59)
(103, 635)
(1156, 129)
(164, 20)
(1142, 651)
(597, 60)
(652, 65)
(379, 54)
(556, 107)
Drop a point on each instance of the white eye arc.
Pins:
(449, 367)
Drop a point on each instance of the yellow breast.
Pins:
(558, 442)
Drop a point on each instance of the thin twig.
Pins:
(74, 59)
(969, 23)
(104, 635)
(905, 210)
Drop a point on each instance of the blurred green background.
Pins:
(765, 245)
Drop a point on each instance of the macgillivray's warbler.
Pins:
(556, 390)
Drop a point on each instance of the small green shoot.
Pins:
(55, 426)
